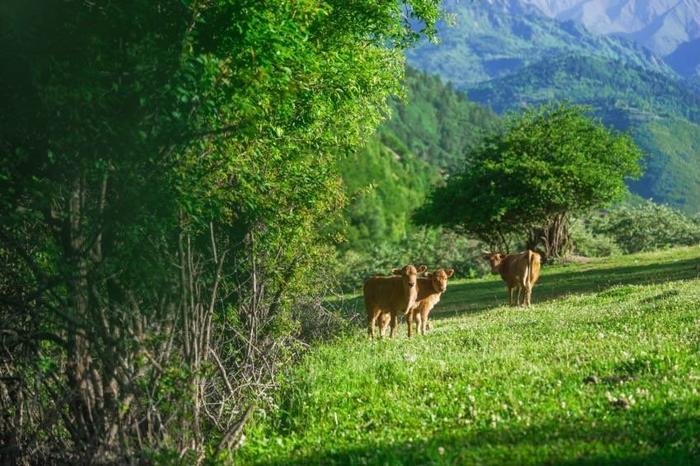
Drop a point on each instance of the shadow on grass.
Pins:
(480, 296)
(635, 437)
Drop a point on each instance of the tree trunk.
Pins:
(553, 237)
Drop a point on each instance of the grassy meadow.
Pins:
(603, 369)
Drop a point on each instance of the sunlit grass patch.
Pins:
(604, 369)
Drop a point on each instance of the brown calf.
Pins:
(430, 288)
(519, 271)
(392, 295)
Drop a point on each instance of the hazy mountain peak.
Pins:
(660, 25)
(493, 38)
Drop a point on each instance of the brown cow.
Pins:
(519, 271)
(430, 288)
(392, 295)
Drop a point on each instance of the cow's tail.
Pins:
(533, 258)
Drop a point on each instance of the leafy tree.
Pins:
(549, 163)
(167, 171)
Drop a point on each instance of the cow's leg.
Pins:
(371, 320)
(394, 324)
(383, 324)
(521, 295)
(510, 295)
(424, 321)
(419, 321)
(529, 296)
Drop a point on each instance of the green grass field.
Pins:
(603, 369)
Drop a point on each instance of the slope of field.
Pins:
(604, 369)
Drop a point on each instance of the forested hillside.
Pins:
(384, 182)
(603, 83)
(438, 123)
(428, 134)
(661, 114)
(672, 171)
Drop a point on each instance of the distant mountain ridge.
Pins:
(662, 26)
(494, 38)
(600, 82)
(686, 59)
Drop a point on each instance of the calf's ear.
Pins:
(422, 269)
(450, 272)
(396, 271)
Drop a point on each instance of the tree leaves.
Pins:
(551, 160)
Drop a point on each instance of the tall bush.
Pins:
(167, 170)
(647, 227)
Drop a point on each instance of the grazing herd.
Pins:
(413, 292)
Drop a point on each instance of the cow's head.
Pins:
(409, 274)
(494, 259)
(439, 279)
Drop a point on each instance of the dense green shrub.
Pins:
(587, 243)
(647, 227)
(168, 171)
